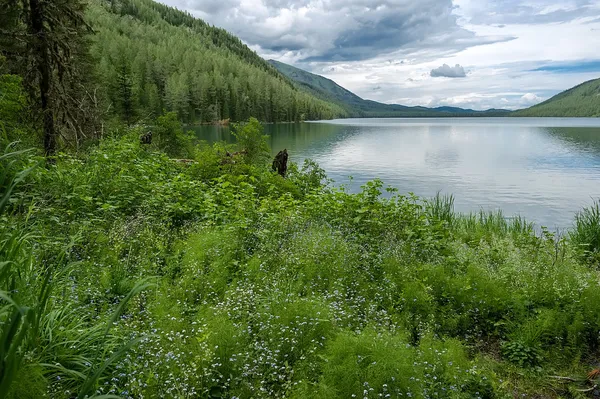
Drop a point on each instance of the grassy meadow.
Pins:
(127, 273)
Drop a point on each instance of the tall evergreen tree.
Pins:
(51, 34)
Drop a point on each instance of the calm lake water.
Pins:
(545, 169)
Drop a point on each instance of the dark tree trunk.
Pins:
(45, 73)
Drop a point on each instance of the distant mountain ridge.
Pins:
(356, 106)
(580, 101)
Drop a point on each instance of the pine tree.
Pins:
(50, 56)
(124, 94)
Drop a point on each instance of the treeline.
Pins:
(153, 58)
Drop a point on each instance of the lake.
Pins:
(544, 169)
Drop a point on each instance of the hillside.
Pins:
(580, 101)
(152, 57)
(328, 90)
(318, 85)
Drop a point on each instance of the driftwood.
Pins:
(588, 389)
(591, 377)
(280, 162)
(564, 379)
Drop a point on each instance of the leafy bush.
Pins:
(521, 354)
(251, 140)
(169, 136)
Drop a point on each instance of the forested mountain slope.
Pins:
(154, 58)
(582, 100)
(328, 90)
(318, 85)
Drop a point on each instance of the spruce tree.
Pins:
(49, 53)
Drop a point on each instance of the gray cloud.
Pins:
(340, 30)
(493, 12)
(384, 49)
(447, 71)
(594, 21)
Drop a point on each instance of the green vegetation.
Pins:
(175, 269)
(128, 273)
(154, 57)
(355, 106)
(582, 100)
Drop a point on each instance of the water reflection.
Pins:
(543, 169)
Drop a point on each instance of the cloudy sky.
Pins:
(470, 53)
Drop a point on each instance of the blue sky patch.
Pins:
(571, 67)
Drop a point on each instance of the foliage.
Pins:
(168, 135)
(127, 273)
(14, 122)
(272, 287)
(42, 332)
(12, 101)
(153, 58)
(251, 140)
(586, 234)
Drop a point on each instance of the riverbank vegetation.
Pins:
(128, 273)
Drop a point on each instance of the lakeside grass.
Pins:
(125, 273)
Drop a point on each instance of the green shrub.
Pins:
(168, 135)
(370, 364)
(252, 141)
(586, 235)
(375, 364)
(521, 353)
(210, 261)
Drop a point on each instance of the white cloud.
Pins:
(387, 50)
(529, 99)
(448, 72)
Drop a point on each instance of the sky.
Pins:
(477, 54)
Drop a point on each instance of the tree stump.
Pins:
(146, 138)
(280, 162)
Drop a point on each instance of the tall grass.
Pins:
(586, 234)
(441, 207)
(16, 318)
(52, 336)
(475, 226)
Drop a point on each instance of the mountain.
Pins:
(318, 85)
(582, 100)
(328, 90)
(153, 58)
